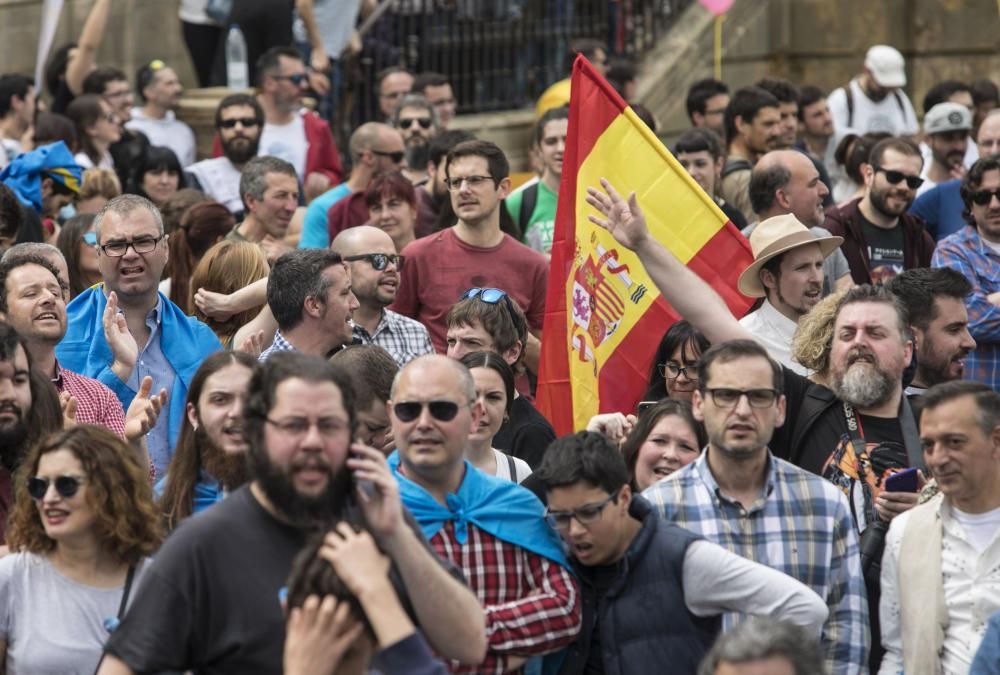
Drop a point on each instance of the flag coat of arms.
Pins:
(604, 317)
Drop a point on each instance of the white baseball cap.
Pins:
(887, 66)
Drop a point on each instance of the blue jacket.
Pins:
(184, 340)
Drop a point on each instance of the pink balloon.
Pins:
(717, 7)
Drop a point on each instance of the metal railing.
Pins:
(500, 54)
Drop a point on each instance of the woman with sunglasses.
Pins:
(81, 531)
(78, 243)
(495, 393)
(674, 371)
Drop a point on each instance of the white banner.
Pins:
(51, 10)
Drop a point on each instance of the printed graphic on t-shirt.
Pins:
(885, 263)
(861, 476)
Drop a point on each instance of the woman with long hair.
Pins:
(494, 380)
(78, 243)
(210, 455)
(665, 438)
(156, 175)
(201, 227)
(674, 371)
(227, 267)
(97, 128)
(81, 533)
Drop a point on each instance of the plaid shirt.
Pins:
(801, 526)
(532, 604)
(95, 403)
(966, 252)
(404, 338)
(280, 344)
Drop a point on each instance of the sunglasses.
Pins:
(984, 197)
(247, 122)
(896, 177)
(442, 411)
(490, 296)
(66, 486)
(298, 79)
(378, 260)
(424, 122)
(396, 157)
(90, 238)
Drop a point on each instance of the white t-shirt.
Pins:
(287, 142)
(521, 468)
(193, 11)
(83, 159)
(220, 180)
(980, 528)
(888, 115)
(168, 132)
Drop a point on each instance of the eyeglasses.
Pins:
(66, 486)
(299, 426)
(378, 260)
(424, 122)
(729, 398)
(298, 79)
(90, 239)
(672, 371)
(117, 249)
(442, 410)
(118, 94)
(588, 514)
(455, 184)
(895, 177)
(984, 197)
(395, 157)
(247, 122)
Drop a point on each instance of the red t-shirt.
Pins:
(441, 267)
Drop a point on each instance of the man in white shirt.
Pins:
(874, 101)
(941, 566)
(160, 91)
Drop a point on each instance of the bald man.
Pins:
(374, 266)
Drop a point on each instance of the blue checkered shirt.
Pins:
(280, 344)
(801, 525)
(404, 338)
(967, 253)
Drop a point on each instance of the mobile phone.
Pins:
(645, 405)
(902, 481)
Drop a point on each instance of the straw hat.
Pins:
(775, 236)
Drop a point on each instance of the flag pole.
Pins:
(718, 44)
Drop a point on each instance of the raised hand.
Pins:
(615, 426)
(144, 410)
(124, 349)
(274, 248)
(318, 635)
(252, 344)
(624, 219)
(68, 404)
(378, 492)
(356, 560)
(216, 306)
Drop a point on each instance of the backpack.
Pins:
(734, 165)
(529, 198)
(850, 103)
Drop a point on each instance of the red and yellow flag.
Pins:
(604, 317)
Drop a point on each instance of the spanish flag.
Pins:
(604, 317)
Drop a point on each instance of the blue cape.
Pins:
(24, 175)
(500, 507)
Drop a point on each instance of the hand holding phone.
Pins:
(903, 481)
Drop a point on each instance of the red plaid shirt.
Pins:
(532, 604)
(95, 403)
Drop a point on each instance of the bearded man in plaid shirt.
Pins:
(492, 529)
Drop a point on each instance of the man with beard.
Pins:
(269, 190)
(374, 272)
(947, 126)
(533, 206)
(212, 603)
(973, 253)
(874, 101)
(210, 458)
(880, 238)
(787, 272)
(740, 496)
(935, 301)
(160, 91)
(309, 294)
(374, 148)
(753, 127)
(416, 121)
(238, 121)
(29, 410)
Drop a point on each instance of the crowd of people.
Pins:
(272, 410)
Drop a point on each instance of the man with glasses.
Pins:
(973, 251)
(233, 561)
(298, 136)
(309, 294)
(239, 120)
(374, 272)
(491, 529)
(706, 103)
(477, 251)
(416, 121)
(740, 496)
(592, 506)
(880, 238)
(123, 330)
(374, 148)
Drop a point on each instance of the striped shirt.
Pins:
(801, 525)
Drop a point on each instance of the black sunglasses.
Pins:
(396, 157)
(424, 122)
(984, 197)
(896, 177)
(66, 486)
(378, 260)
(247, 122)
(443, 411)
(296, 79)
